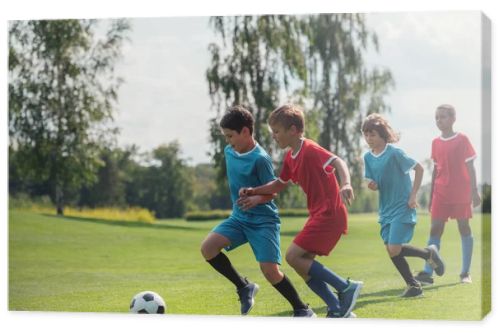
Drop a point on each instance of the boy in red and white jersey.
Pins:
(454, 189)
(312, 168)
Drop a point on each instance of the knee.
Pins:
(393, 250)
(204, 249)
(272, 273)
(208, 250)
(290, 258)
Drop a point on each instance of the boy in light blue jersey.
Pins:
(248, 165)
(387, 169)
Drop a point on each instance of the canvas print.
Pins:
(313, 165)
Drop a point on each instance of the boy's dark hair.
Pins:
(236, 118)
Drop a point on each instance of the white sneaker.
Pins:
(465, 278)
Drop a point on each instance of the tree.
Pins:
(256, 57)
(62, 90)
(343, 89)
(165, 186)
(314, 60)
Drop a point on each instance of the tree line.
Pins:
(63, 91)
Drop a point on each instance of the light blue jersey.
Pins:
(250, 169)
(390, 170)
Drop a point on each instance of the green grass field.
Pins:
(86, 265)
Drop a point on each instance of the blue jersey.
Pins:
(250, 169)
(390, 170)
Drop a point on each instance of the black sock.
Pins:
(222, 264)
(404, 269)
(288, 291)
(408, 250)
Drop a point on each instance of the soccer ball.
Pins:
(147, 302)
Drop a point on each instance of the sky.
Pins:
(434, 57)
(413, 47)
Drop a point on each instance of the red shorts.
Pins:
(442, 212)
(320, 235)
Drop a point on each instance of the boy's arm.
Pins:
(270, 188)
(419, 173)
(346, 192)
(434, 171)
(476, 197)
(248, 202)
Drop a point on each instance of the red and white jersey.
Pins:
(310, 168)
(452, 180)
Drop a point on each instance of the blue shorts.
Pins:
(397, 234)
(263, 237)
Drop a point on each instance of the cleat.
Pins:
(336, 314)
(465, 278)
(247, 294)
(412, 291)
(424, 278)
(347, 298)
(435, 260)
(304, 313)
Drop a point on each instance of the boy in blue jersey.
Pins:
(387, 168)
(248, 165)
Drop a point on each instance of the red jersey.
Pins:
(310, 168)
(452, 180)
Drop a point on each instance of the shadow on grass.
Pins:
(133, 224)
(392, 295)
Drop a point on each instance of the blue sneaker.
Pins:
(337, 314)
(247, 294)
(304, 312)
(435, 260)
(347, 298)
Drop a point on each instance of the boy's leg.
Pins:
(316, 275)
(414, 289)
(467, 246)
(437, 229)
(211, 250)
(281, 283)
(430, 254)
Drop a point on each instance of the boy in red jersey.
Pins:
(454, 189)
(312, 167)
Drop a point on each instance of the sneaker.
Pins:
(336, 314)
(304, 313)
(435, 260)
(424, 278)
(247, 294)
(413, 291)
(347, 298)
(465, 278)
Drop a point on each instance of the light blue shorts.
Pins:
(263, 237)
(397, 234)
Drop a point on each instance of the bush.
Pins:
(24, 201)
(223, 214)
(132, 214)
(44, 205)
(207, 215)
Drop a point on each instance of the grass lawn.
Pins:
(88, 265)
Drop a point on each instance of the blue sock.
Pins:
(322, 273)
(467, 243)
(432, 241)
(321, 289)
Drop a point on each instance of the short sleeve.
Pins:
(323, 156)
(404, 162)
(468, 153)
(368, 171)
(265, 171)
(285, 174)
(433, 152)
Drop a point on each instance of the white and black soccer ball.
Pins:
(148, 302)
